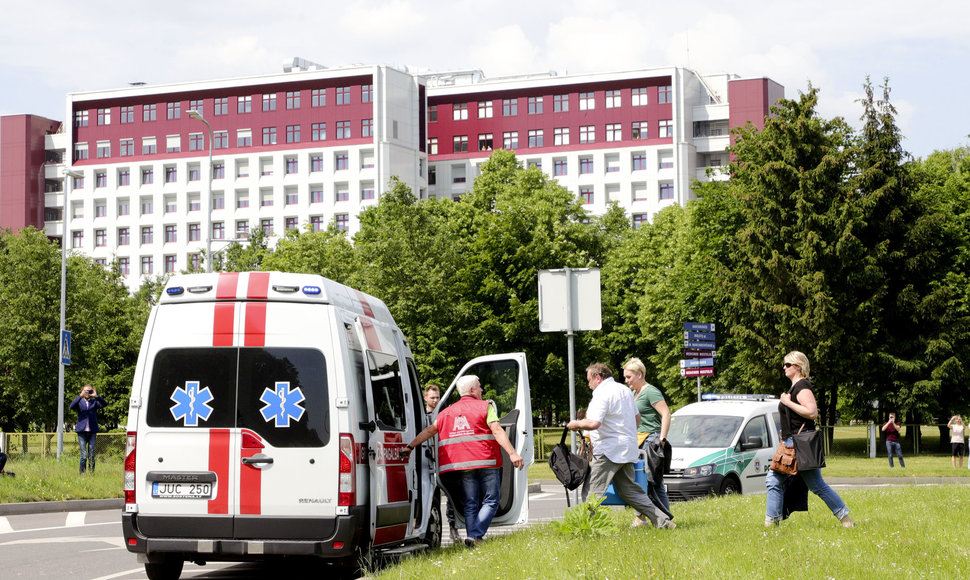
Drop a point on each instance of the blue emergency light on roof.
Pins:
(733, 397)
(311, 290)
(174, 290)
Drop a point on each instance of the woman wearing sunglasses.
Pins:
(798, 408)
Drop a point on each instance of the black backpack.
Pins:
(570, 469)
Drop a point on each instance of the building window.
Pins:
(367, 127)
(614, 132)
(174, 110)
(147, 265)
(587, 101)
(292, 166)
(291, 196)
(219, 201)
(269, 135)
(171, 174)
(100, 238)
(242, 200)
(269, 102)
(587, 134)
(510, 140)
(432, 175)
(196, 142)
(461, 144)
(343, 129)
(197, 105)
(638, 130)
(293, 99)
(148, 146)
(291, 223)
(194, 203)
(537, 163)
(560, 136)
(665, 159)
(665, 129)
(639, 191)
(366, 191)
(535, 138)
(195, 260)
(318, 131)
(341, 161)
(292, 133)
(195, 232)
(171, 206)
(560, 103)
(666, 191)
(147, 176)
(433, 114)
(316, 162)
(244, 137)
(124, 177)
(318, 98)
(220, 140)
(170, 235)
(458, 174)
(639, 220)
(639, 97)
(485, 141)
(484, 109)
(123, 267)
(367, 94)
(266, 225)
(510, 107)
(585, 165)
(220, 106)
(104, 149)
(341, 193)
(316, 223)
(147, 207)
(195, 174)
(148, 113)
(639, 161)
(244, 105)
(586, 194)
(433, 146)
(78, 183)
(100, 179)
(147, 234)
(127, 115)
(77, 239)
(613, 100)
(127, 147)
(80, 151)
(173, 143)
(665, 94)
(316, 195)
(535, 105)
(242, 228)
(219, 170)
(367, 160)
(342, 222)
(560, 167)
(169, 264)
(80, 118)
(343, 95)
(104, 116)
(124, 236)
(124, 207)
(459, 112)
(218, 230)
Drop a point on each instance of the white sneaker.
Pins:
(668, 525)
(638, 521)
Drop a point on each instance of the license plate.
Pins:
(178, 490)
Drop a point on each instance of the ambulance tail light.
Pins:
(347, 487)
(129, 486)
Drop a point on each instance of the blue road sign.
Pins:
(709, 336)
(699, 345)
(699, 326)
(696, 362)
(65, 347)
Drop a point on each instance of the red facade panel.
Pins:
(751, 99)
(22, 170)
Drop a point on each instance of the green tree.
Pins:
(327, 252)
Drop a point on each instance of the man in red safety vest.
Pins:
(470, 440)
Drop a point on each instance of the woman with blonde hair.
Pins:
(797, 409)
(654, 415)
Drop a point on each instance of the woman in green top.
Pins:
(653, 409)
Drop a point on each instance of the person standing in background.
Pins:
(891, 429)
(87, 404)
(956, 440)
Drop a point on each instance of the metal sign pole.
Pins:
(570, 360)
(698, 389)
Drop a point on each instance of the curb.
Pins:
(47, 507)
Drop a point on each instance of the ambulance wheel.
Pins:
(730, 486)
(433, 536)
(165, 568)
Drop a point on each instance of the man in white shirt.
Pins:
(612, 420)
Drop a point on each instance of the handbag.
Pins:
(570, 469)
(784, 460)
(809, 449)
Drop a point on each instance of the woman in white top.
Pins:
(956, 440)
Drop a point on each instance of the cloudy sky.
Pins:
(50, 48)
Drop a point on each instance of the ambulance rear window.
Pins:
(280, 393)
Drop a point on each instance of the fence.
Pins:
(841, 440)
(34, 445)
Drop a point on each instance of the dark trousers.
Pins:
(86, 440)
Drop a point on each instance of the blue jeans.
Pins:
(893, 447)
(482, 491)
(662, 488)
(86, 440)
(813, 479)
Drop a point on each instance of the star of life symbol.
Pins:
(282, 404)
(191, 404)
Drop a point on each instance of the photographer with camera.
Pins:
(87, 404)
(891, 429)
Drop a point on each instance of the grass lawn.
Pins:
(901, 532)
(47, 479)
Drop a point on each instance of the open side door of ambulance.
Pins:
(392, 425)
(505, 381)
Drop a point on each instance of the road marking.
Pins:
(75, 519)
(5, 525)
(12, 531)
(120, 574)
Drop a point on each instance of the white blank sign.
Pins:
(584, 300)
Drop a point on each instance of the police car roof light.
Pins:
(311, 290)
(174, 290)
(735, 397)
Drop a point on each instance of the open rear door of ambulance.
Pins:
(392, 426)
(505, 381)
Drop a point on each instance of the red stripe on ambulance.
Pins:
(396, 470)
(258, 288)
(219, 464)
(250, 486)
(255, 324)
(226, 288)
(364, 304)
(370, 334)
(223, 324)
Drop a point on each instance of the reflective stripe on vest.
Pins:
(469, 465)
(466, 439)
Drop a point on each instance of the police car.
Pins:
(722, 445)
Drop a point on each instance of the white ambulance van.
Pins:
(722, 445)
(267, 415)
